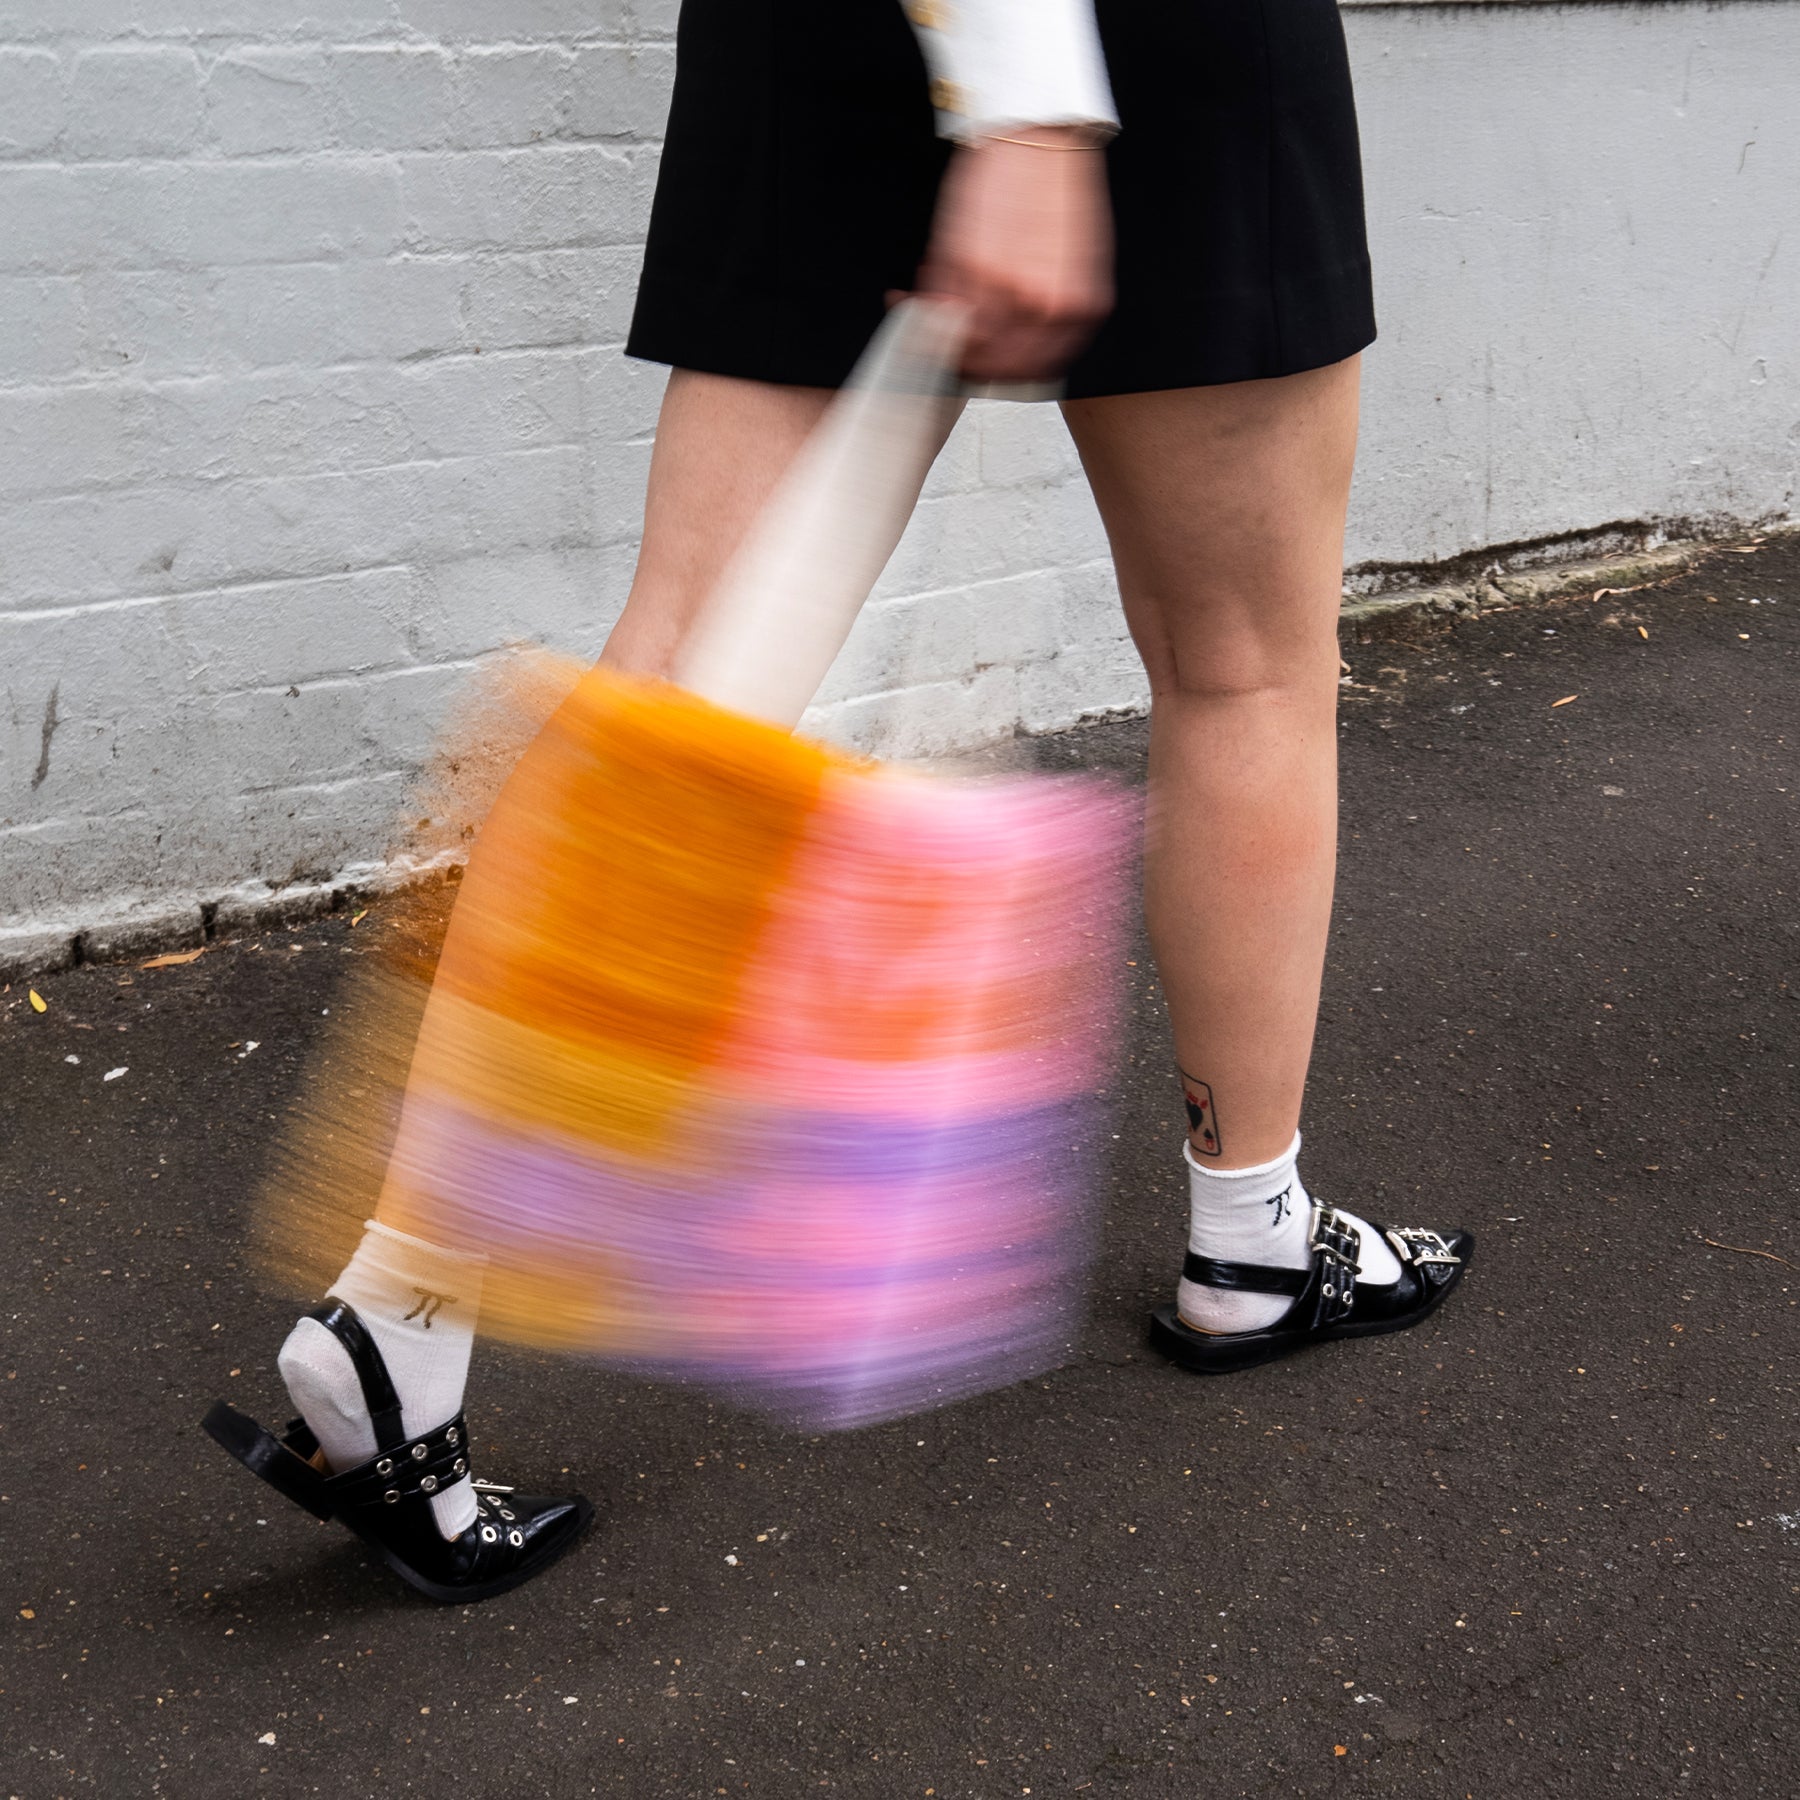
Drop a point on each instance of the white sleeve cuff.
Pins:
(997, 64)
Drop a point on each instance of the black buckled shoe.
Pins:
(1329, 1300)
(387, 1500)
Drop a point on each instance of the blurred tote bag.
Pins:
(747, 1059)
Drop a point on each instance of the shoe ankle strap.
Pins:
(1244, 1278)
(340, 1319)
(1329, 1273)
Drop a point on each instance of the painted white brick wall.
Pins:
(311, 394)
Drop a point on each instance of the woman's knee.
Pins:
(1222, 646)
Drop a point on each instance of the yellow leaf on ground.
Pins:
(357, 918)
(172, 958)
(1564, 701)
(1642, 632)
(38, 1003)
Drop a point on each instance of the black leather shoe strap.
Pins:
(1244, 1278)
(377, 1385)
(420, 1465)
(1337, 1255)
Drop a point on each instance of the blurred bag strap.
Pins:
(770, 630)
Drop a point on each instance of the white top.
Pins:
(1000, 64)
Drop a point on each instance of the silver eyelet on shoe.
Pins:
(450, 1435)
(391, 1496)
(428, 1483)
(489, 1535)
(385, 1466)
(461, 1467)
(419, 1452)
(515, 1538)
(505, 1514)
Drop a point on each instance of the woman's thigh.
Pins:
(1224, 506)
(1225, 510)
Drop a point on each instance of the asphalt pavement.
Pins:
(1548, 1544)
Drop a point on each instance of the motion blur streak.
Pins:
(746, 1060)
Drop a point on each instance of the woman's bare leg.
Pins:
(721, 447)
(1225, 509)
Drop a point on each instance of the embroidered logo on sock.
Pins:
(430, 1305)
(1281, 1203)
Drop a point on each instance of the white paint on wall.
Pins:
(1585, 221)
(311, 396)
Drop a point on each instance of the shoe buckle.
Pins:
(1329, 1236)
(490, 1487)
(1417, 1245)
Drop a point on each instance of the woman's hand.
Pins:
(1023, 238)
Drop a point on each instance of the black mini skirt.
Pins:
(802, 164)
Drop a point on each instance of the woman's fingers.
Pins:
(1015, 333)
(1023, 237)
(1026, 338)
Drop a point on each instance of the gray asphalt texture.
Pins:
(1549, 1544)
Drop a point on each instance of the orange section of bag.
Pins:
(620, 885)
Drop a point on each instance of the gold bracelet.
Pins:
(1000, 137)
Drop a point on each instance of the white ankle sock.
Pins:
(1259, 1215)
(419, 1303)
